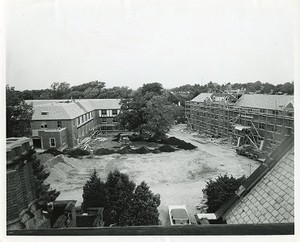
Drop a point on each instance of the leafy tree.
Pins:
(148, 112)
(94, 192)
(160, 117)
(18, 114)
(220, 190)
(143, 208)
(60, 90)
(119, 194)
(124, 203)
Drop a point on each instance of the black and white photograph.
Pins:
(149, 118)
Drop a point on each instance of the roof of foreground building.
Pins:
(267, 196)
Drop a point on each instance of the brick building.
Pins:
(22, 207)
(64, 123)
(268, 119)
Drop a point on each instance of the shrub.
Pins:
(220, 190)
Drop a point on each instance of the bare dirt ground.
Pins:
(178, 177)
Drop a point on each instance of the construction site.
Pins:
(258, 120)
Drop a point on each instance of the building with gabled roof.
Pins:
(262, 101)
(64, 123)
(269, 118)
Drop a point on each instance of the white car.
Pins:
(178, 215)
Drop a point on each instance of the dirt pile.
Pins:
(180, 144)
(104, 151)
(166, 148)
(126, 149)
(53, 151)
(142, 150)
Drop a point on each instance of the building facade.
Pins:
(269, 117)
(22, 207)
(64, 123)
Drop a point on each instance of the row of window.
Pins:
(44, 125)
(84, 118)
(104, 112)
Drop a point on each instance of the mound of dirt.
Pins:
(142, 150)
(171, 141)
(104, 151)
(126, 149)
(135, 137)
(186, 146)
(166, 148)
(53, 151)
(156, 151)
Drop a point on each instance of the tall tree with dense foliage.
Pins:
(18, 114)
(124, 203)
(94, 192)
(143, 209)
(149, 112)
(220, 190)
(119, 193)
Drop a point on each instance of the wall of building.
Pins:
(218, 119)
(59, 135)
(271, 200)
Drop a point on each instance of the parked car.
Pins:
(178, 215)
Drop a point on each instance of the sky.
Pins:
(132, 42)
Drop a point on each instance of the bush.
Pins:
(77, 152)
(220, 190)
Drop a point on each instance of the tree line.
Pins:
(191, 91)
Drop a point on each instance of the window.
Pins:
(82, 119)
(89, 115)
(103, 112)
(52, 142)
(59, 124)
(44, 113)
(115, 120)
(114, 112)
(104, 120)
(78, 120)
(44, 125)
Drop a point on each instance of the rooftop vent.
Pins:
(44, 113)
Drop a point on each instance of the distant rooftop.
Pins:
(265, 101)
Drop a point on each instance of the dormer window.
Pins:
(44, 113)
(103, 112)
